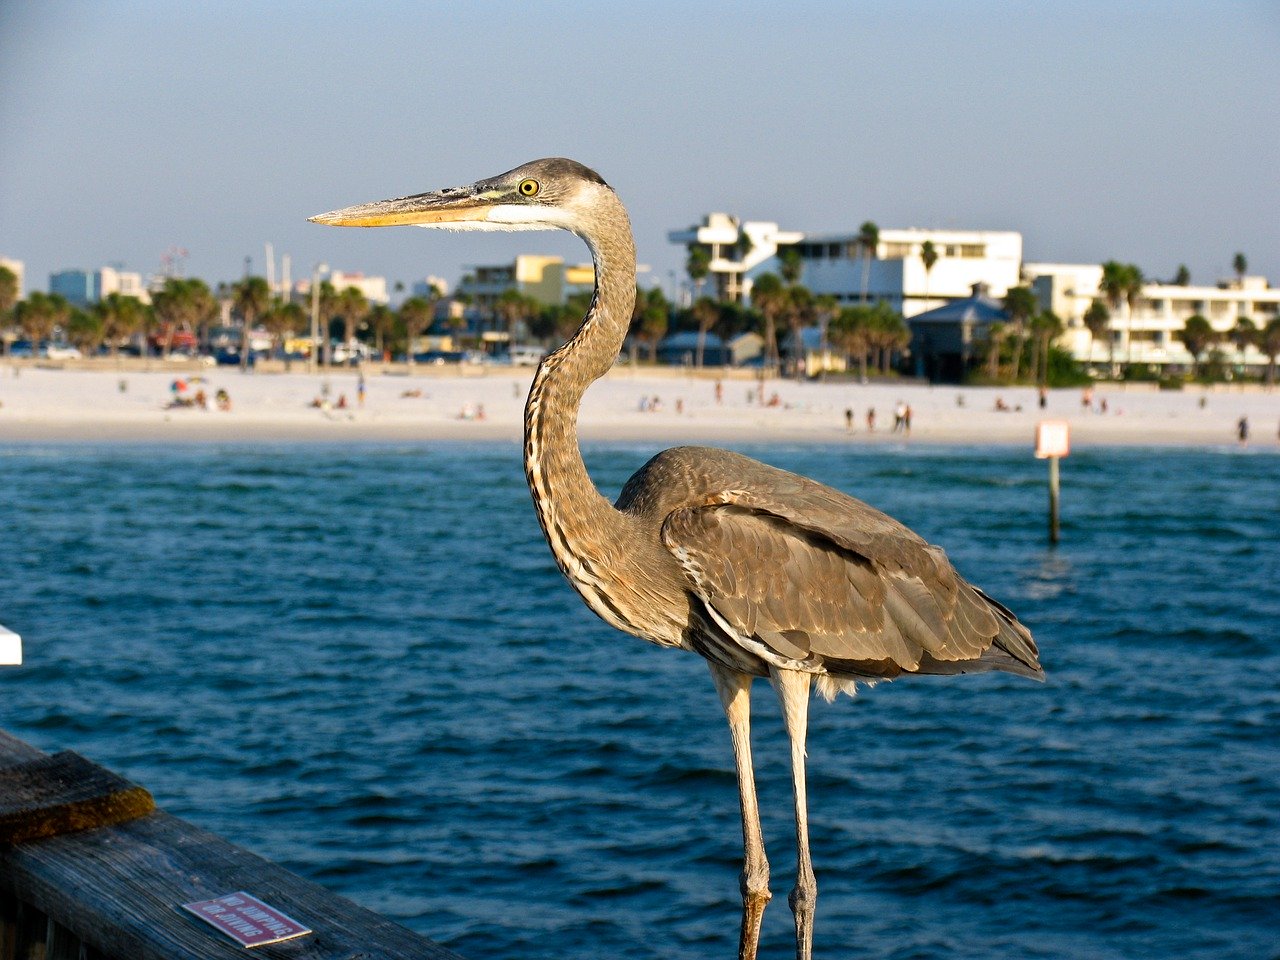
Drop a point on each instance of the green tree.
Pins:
(514, 307)
(250, 297)
(1045, 328)
(790, 264)
(183, 304)
(928, 256)
(1121, 284)
(1098, 321)
(650, 318)
(705, 313)
(383, 321)
(1269, 344)
(1021, 305)
(1240, 264)
(1197, 335)
(996, 333)
(84, 330)
(769, 296)
(1183, 277)
(889, 334)
(851, 330)
(8, 293)
(123, 318)
(1244, 335)
(283, 320)
(868, 241)
(698, 265)
(416, 314)
(353, 306)
(39, 315)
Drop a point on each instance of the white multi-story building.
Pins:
(838, 264)
(1149, 332)
(82, 288)
(373, 288)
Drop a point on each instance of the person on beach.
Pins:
(222, 399)
(1044, 398)
(899, 415)
(871, 419)
(719, 393)
(848, 419)
(1242, 431)
(1086, 399)
(360, 390)
(906, 419)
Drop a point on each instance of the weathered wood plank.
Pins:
(120, 889)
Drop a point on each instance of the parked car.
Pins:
(526, 355)
(60, 351)
(439, 357)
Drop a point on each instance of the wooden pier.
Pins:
(90, 870)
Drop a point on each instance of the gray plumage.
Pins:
(762, 572)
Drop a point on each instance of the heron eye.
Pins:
(529, 188)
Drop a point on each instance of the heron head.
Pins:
(551, 194)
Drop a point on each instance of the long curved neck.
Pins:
(572, 512)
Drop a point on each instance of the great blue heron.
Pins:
(762, 572)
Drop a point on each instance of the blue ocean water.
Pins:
(362, 662)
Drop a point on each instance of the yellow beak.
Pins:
(446, 206)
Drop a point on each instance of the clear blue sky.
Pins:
(1145, 132)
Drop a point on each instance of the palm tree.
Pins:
(1244, 334)
(353, 306)
(8, 293)
(1046, 327)
(825, 308)
(852, 331)
(698, 265)
(1197, 335)
(799, 310)
(1183, 277)
(650, 317)
(283, 320)
(1241, 266)
(705, 313)
(1098, 321)
(513, 307)
(868, 241)
(1020, 303)
(416, 314)
(1122, 283)
(769, 296)
(251, 297)
(122, 318)
(84, 330)
(1269, 344)
(183, 304)
(38, 316)
(928, 256)
(383, 321)
(889, 333)
(996, 332)
(790, 264)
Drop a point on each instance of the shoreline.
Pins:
(40, 405)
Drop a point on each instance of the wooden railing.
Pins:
(117, 892)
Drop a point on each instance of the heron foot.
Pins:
(804, 901)
(755, 897)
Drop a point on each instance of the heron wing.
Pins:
(820, 578)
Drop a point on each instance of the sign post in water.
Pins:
(1053, 441)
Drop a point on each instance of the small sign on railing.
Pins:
(10, 648)
(246, 919)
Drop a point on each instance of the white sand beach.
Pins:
(39, 404)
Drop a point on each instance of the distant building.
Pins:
(681, 349)
(81, 288)
(837, 265)
(1149, 334)
(19, 270)
(373, 288)
(422, 288)
(548, 280)
(946, 340)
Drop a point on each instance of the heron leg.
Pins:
(735, 694)
(793, 691)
